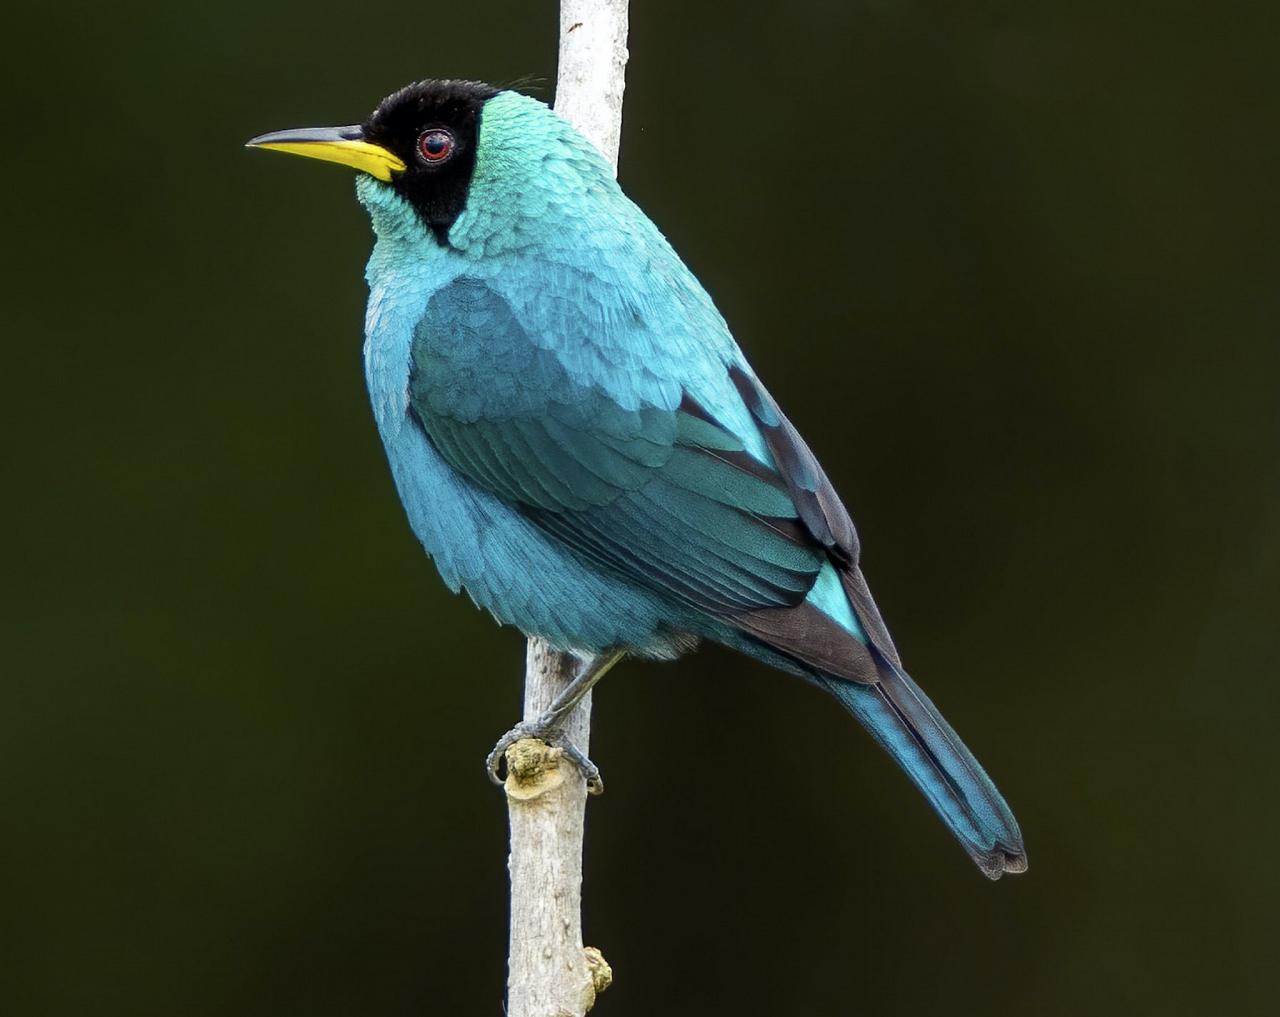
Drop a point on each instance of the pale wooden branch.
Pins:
(592, 75)
(549, 973)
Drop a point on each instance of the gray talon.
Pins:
(588, 769)
(547, 730)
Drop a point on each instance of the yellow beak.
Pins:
(345, 145)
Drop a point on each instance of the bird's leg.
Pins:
(549, 726)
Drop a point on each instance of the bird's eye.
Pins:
(435, 145)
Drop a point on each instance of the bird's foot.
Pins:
(544, 729)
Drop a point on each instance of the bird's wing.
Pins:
(668, 496)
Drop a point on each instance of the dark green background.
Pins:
(1010, 266)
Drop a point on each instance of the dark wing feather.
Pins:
(817, 504)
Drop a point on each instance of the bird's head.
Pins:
(422, 142)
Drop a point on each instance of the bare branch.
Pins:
(549, 974)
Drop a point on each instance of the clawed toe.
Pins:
(588, 769)
(493, 762)
(552, 735)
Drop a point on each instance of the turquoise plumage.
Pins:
(580, 444)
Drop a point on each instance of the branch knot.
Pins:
(533, 769)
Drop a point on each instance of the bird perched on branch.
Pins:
(580, 444)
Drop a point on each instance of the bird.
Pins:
(580, 444)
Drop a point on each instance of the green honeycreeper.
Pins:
(580, 444)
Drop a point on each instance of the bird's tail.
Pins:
(909, 727)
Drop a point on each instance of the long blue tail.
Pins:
(901, 718)
(837, 638)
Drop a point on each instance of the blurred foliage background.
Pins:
(1010, 267)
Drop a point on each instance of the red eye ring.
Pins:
(435, 145)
